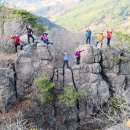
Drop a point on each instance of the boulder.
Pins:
(90, 55)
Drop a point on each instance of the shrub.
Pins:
(127, 50)
(45, 87)
(25, 15)
(31, 19)
(116, 105)
(122, 38)
(70, 96)
(120, 58)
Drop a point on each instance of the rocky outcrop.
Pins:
(116, 70)
(102, 74)
(30, 64)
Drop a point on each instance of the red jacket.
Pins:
(109, 34)
(16, 39)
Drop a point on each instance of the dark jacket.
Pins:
(29, 31)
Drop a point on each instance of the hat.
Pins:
(45, 33)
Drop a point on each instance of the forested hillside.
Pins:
(98, 15)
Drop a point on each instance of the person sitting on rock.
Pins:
(30, 33)
(109, 34)
(66, 60)
(44, 38)
(16, 41)
(78, 55)
(100, 39)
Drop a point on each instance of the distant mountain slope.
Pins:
(49, 24)
(46, 8)
(98, 15)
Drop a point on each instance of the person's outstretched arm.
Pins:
(81, 50)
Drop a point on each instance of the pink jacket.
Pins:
(44, 37)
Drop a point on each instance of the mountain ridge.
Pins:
(97, 15)
(76, 15)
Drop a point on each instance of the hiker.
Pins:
(88, 36)
(29, 33)
(109, 34)
(66, 59)
(100, 39)
(44, 38)
(16, 41)
(78, 55)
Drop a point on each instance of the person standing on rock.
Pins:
(109, 34)
(88, 36)
(16, 41)
(78, 56)
(100, 39)
(66, 60)
(30, 33)
(44, 38)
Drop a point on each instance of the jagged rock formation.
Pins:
(32, 63)
(100, 74)
(116, 71)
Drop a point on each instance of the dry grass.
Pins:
(18, 108)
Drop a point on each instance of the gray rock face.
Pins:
(100, 74)
(119, 127)
(32, 63)
(117, 71)
(91, 55)
(7, 89)
(95, 64)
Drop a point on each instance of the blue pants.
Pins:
(108, 41)
(65, 62)
(88, 40)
